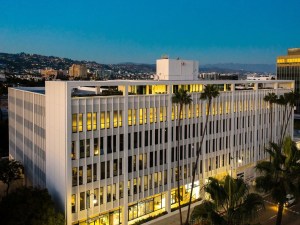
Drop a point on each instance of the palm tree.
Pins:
(181, 98)
(230, 203)
(282, 101)
(290, 99)
(210, 91)
(280, 176)
(271, 98)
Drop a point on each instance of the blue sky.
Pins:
(112, 31)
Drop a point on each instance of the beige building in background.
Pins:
(78, 71)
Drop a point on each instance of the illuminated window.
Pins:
(94, 121)
(173, 112)
(102, 120)
(191, 111)
(96, 146)
(89, 121)
(115, 118)
(73, 203)
(141, 116)
(80, 122)
(155, 180)
(120, 118)
(134, 186)
(152, 115)
(74, 123)
(121, 189)
(129, 117)
(163, 114)
(96, 196)
(128, 187)
(108, 194)
(107, 120)
(145, 182)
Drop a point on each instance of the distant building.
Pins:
(48, 72)
(288, 68)
(78, 71)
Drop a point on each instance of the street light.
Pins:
(88, 195)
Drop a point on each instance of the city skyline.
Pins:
(116, 31)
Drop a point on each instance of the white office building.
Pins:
(106, 150)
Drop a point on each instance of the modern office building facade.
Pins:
(110, 157)
(288, 68)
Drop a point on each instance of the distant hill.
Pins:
(237, 67)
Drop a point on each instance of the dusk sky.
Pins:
(111, 31)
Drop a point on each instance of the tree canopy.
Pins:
(230, 203)
(10, 170)
(280, 176)
(29, 206)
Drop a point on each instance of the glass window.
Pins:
(114, 191)
(108, 169)
(96, 146)
(80, 175)
(129, 117)
(134, 186)
(81, 149)
(141, 116)
(129, 187)
(120, 118)
(107, 120)
(94, 171)
(120, 167)
(74, 176)
(88, 148)
(102, 170)
(73, 151)
(96, 196)
(121, 189)
(115, 167)
(101, 195)
(94, 121)
(108, 195)
(89, 121)
(102, 120)
(82, 200)
(73, 203)
(74, 123)
(145, 182)
(80, 122)
(115, 118)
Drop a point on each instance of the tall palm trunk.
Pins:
(271, 122)
(283, 124)
(279, 214)
(178, 162)
(196, 164)
(286, 124)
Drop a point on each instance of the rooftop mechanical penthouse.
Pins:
(106, 150)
